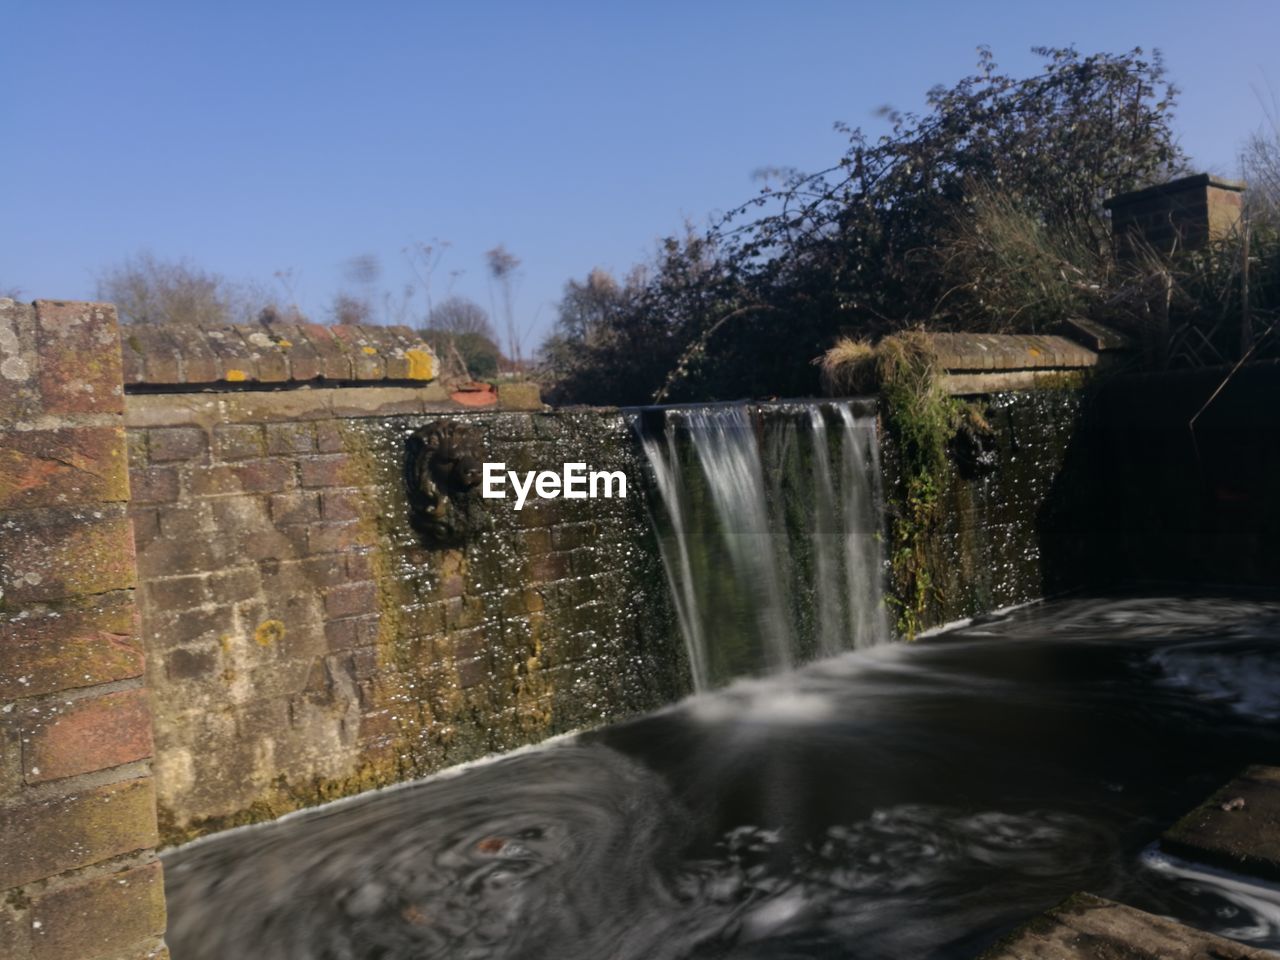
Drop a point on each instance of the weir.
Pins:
(769, 520)
(321, 610)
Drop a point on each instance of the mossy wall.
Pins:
(996, 535)
(305, 643)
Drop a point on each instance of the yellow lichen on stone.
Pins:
(369, 350)
(269, 632)
(422, 365)
(235, 376)
(284, 344)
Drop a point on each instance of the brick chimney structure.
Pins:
(1185, 214)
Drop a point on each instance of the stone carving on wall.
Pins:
(444, 465)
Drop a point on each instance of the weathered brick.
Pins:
(245, 476)
(366, 364)
(229, 586)
(340, 504)
(94, 733)
(342, 634)
(151, 355)
(45, 654)
(177, 593)
(65, 557)
(360, 566)
(168, 555)
(80, 366)
(272, 365)
(265, 476)
(326, 570)
(187, 663)
(20, 385)
(425, 620)
(329, 437)
(472, 673)
(176, 443)
(332, 537)
(146, 524)
(42, 468)
(332, 470)
(289, 508)
(304, 363)
(350, 599)
(238, 441)
(469, 643)
(154, 485)
(15, 930)
(50, 837)
(334, 362)
(165, 630)
(549, 567)
(290, 438)
(364, 663)
(99, 916)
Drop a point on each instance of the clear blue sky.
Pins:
(261, 137)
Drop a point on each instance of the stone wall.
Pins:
(78, 874)
(1003, 534)
(305, 642)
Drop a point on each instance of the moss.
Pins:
(922, 419)
(280, 798)
(269, 632)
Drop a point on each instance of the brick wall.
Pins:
(1184, 214)
(78, 874)
(1011, 523)
(303, 643)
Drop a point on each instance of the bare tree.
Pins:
(347, 308)
(460, 315)
(1260, 163)
(423, 259)
(502, 268)
(146, 289)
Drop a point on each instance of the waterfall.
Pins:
(768, 518)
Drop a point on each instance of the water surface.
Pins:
(908, 801)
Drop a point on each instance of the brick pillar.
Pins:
(79, 878)
(1184, 214)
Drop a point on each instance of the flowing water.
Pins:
(769, 523)
(900, 801)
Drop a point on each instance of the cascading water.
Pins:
(773, 555)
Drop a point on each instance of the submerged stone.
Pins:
(1085, 927)
(1238, 828)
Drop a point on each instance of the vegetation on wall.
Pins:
(959, 217)
(922, 419)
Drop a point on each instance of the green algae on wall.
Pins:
(979, 536)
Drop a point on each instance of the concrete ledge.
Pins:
(318, 403)
(1237, 828)
(273, 355)
(1085, 927)
(1007, 351)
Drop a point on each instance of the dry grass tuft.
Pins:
(848, 368)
